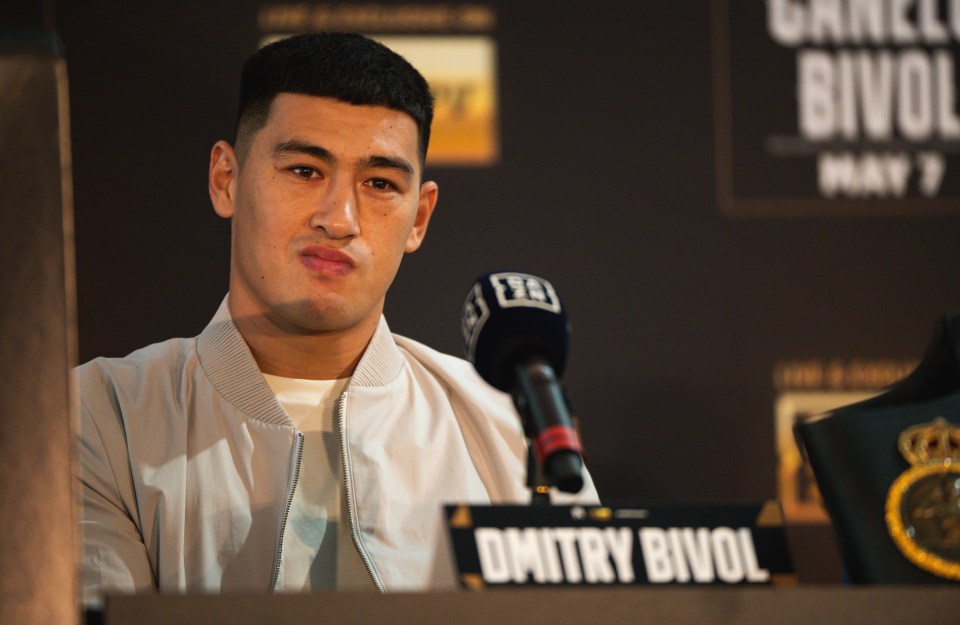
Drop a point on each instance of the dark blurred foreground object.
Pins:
(596, 605)
(875, 497)
(37, 335)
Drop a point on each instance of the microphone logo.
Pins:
(521, 289)
(475, 314)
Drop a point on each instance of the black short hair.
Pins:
(344, 66)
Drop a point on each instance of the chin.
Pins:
(321, 316)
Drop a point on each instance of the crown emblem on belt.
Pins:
(923, 504)
(938, 441)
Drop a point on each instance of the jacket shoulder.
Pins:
(456, 373)
(166, 357)
(424, 352)
(157, 369)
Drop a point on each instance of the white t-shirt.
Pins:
(318, 550)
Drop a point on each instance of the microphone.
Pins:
(516, 335)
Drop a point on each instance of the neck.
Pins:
(311, 355)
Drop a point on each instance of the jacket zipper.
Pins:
(351, 515)
(286, 511)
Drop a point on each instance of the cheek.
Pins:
(401, 233)
(274, 210)
(386, 227)
(260, 237)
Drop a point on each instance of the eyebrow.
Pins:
(300, 147)
(375, 161)
(388, 162)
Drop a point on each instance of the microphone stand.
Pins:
(536, 482)
(539, 401)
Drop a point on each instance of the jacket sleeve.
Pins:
(114, 556)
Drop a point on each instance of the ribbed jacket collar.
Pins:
(228, 363)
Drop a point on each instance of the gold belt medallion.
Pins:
(923, 504)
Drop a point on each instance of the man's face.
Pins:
(325, 203)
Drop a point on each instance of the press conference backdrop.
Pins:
(750, 209)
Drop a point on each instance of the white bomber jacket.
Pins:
(188, 463)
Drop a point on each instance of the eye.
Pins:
(381, 184)
(304, 172)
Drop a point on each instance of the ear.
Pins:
(224, 169)
(428, 200)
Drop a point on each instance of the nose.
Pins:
(336, 213)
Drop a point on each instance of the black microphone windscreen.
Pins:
(510, 316)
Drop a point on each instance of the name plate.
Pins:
(645, 543)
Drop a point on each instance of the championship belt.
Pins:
(923, 504)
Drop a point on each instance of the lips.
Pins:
(326, 260)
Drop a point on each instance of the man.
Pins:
(295, 443)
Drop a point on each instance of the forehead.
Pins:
(336, 125)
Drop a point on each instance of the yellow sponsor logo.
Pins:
(461, 71)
